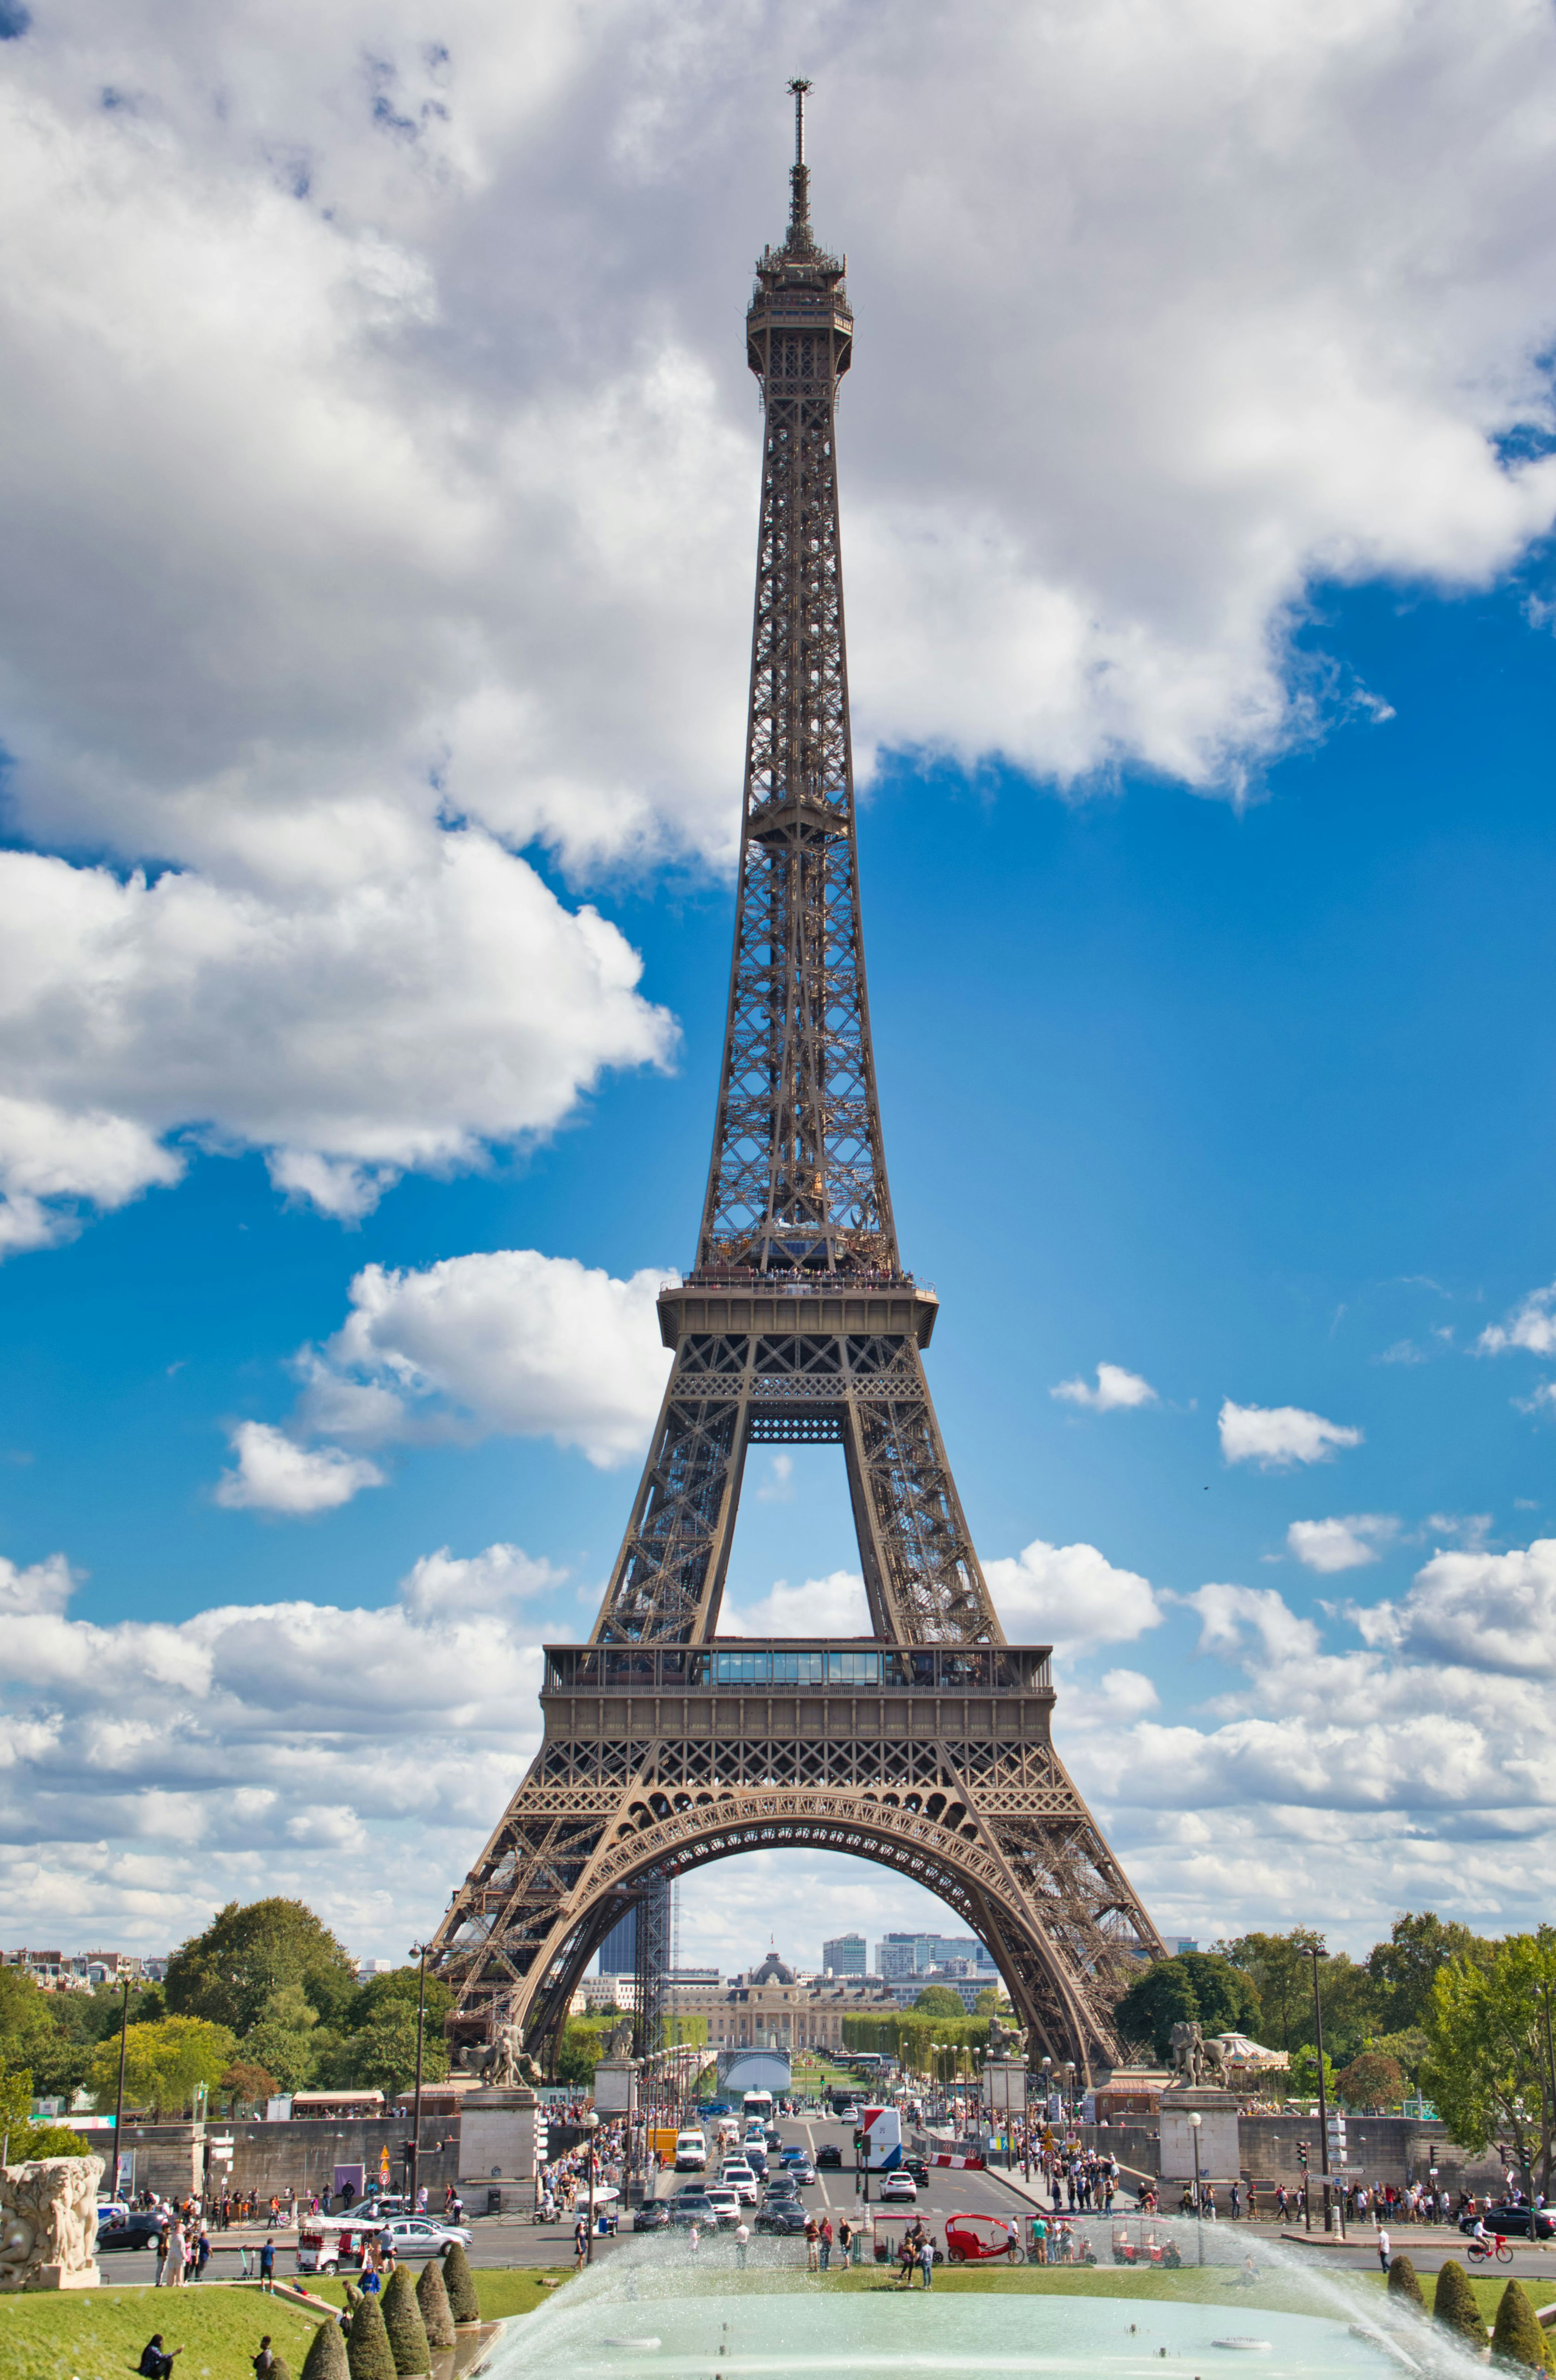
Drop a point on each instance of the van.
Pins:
(729, 2132)
(691, 2153)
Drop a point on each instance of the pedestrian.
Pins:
(156, 2361)
(1382, 2248)
(695, 2239)
(264, 2363)
(926, 2259)
(162, 2256)
(845, 2240)
(175, 2254)
(267, 2266)
(580, 2244)
(826, 2243)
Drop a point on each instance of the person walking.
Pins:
(580, 2244)
(742, 2241)
(1382, 2248)
(267, 2267)
(825, 2243)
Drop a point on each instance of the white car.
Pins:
(416, 2235)
(737, 2176)
(898, 2185)
(724, 2203)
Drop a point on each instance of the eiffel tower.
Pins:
(926, 1746)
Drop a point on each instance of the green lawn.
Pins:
(98, 2334)
(502, 2289)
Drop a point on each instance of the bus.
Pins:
(758, 2107)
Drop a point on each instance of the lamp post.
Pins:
(119, 2099)
(1316, 1952)
(1195, 2121)
(1046, 2071)
(1544, 1990)
(591, 2125)
(419, 1951)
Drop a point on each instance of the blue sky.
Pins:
(1207, 876)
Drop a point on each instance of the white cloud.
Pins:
(1070, 1596)
(45, 1587)
(834, 1606)
(446, 1583)
(778, 1486)
(1116, 1391)
(1531, 1325)
(506, 1340)
(1477, 1611)
(351, 539)
(1341, 1544)
(275, 1475)
(1230, 1616)
(1277, 1436)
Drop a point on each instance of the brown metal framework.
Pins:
(926, 1746)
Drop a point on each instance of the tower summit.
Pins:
(926, 1746)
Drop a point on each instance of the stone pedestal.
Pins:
(615, 2087)
(498, 2150)
(1218, 2156)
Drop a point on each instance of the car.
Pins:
(653, 2215)
(693, 2206)
(787, 2214)
(831, 2157)
(738, 2177)
(379, 2203)
(691, 2151)
(899, 2184)
(418, 2234)
(792, 2155)
(1512, 2222)
(917, 2168)
(128, 2226)
(724, 2203)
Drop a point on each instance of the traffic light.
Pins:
(1302, 2148)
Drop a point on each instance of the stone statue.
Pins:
(48, 2224)
(1005, 2040)
(617, 2042)
(503, 2063)
(1186, 2046)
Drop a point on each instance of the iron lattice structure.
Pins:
(926, 1746)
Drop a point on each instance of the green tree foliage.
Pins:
(938, 2000)
(1280, 1969)
(163, 2063)
(23, 2138)
(1197, 1986)
(437, 2314)
(402, 2319)
(907, 2037)
(1404, 1968)
(282, 2040)
(244, 2084)
(397, 1989)
(368, 2352)
(1370, 2081)
(229, 1974)
(1407, 2049)
(326, 2357)
(463, 2303)
(1302, 2081)
(382, 2054)
(25, 2023)
(1454, 2304)
(578, 2053)
(987, 2003)
(1517, 2340)
(1405, 2281)
(1485, 2069)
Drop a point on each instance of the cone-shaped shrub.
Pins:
(463, 2303)
(1403, 2281)
(1455, 2305)
(325, 2358)
(402, 2319)
(433, 2300)
(368, 2352)
(1517, 2339)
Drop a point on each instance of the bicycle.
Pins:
(1482, 2251)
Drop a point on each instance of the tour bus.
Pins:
(758, 2107)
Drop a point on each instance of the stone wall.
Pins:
(268, 2158)
(1400, 2149)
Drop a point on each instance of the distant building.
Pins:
(774, 2008)
(1178, 1943)
(368, 1968)
(618, 1953)
(81, 1971)
(915, 1954)
(848, 1954)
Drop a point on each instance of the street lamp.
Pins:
(1195, 2121)
(1047, 2071)
(119, 2100)
(1316, 1952)
(1544, 1990)
(419, 1951)
(591, 2125)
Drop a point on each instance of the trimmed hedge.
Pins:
(402, 2319)
(1455, 2305)
(368, 2352)
(1404, 2281)
(463, 2303)
(433, 2300)
(326, 2357)
(1517, 2340)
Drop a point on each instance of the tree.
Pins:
(1404, 1968)
(22, 2137)
(1197, 1986)
(164, 2063)
(1485, 2069)
(1405, 2281)
(382, 2054)
(986, 2003)
(283, 2039)
(326, 2357)
(1280, 1967)
(368, 2352)
(400, 1986)
(1455, 2305)
(1302, 2079)
(433, 2299)
(26, 2022)
(462, 2302)
(1370, 2081)
(228, 1973)
(1517, 2340)
(402, 2320)
(246, 2085)
(939, 1999)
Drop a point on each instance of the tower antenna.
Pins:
(800, 174)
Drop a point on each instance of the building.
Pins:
(618, 1953)
(915, 1954)
(775, 2008)
(368, 1968)
(80, 1970)
(849, 1954)
(904, 1990)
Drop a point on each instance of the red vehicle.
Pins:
(978, 2239)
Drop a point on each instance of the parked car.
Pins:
(831, 2157)
(418, 2234)
(899, 2184)
(783, 2215)
(128, 2226)
(1512, 2222)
